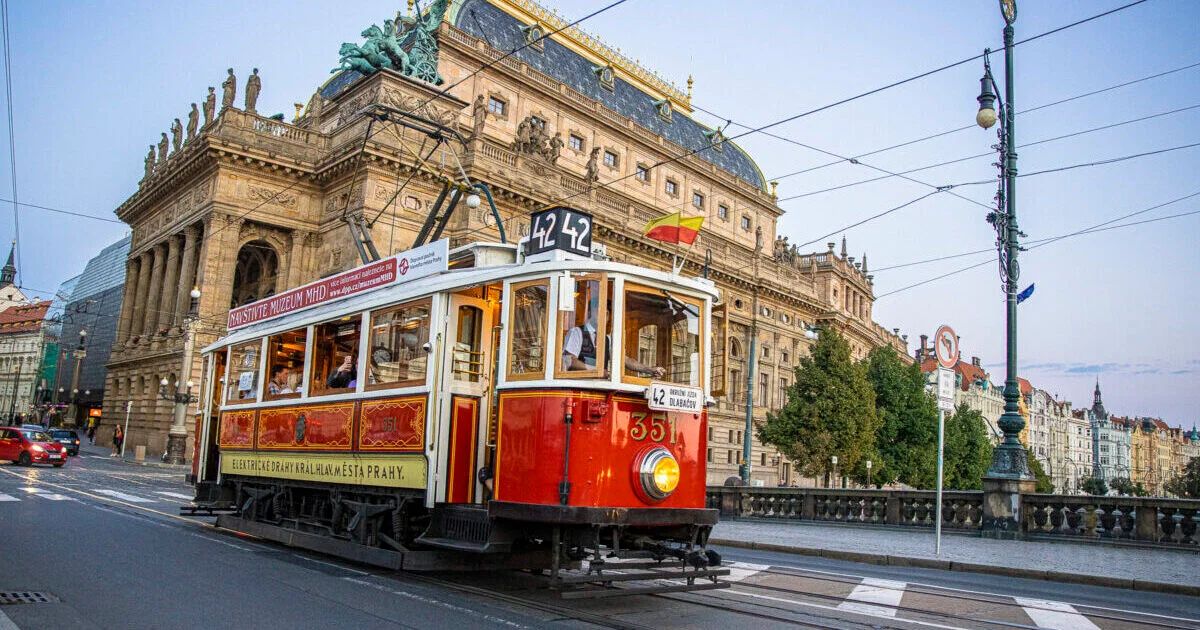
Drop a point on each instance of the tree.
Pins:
(1095, 486)
(906, 441)
(830, 410)
(1123, 486)
(1044, 485)
(1187, 485)
(967, 451)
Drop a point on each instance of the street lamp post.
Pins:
(745, 468)
(868, 473)
(80, 353)
(12, 403)
(1008, 459)
(833, 475)
(177, 436)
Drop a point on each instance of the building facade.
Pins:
(94, 307)
(1111, 437)
(251, 206)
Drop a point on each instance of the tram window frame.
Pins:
(232, 383)
(628, 329)
(604, 302)
(420, 354)
(322, 365)
(274, 345)
(536, 373)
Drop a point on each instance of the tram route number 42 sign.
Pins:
(669, 397)
(560, 228)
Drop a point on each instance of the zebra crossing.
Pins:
(35, 493)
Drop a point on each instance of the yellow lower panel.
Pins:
(394, 471)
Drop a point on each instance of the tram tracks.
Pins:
(915, 615)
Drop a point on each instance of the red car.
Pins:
(30, 446)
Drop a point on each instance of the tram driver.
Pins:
(579, 350)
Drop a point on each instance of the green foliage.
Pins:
(1095, 486)
(906, 441)
(967, 452)
(1187, 485)
(1123, 486)
(1044, 486)
(1140, 491)
(830, 410)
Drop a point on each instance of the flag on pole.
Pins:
(674, 228)
(1024, 295)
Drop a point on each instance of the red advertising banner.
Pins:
(334, 287)
(413, 264)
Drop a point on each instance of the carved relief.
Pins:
(419, 106)
(267, 195)
(336, 202)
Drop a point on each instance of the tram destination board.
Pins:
(669, 397)
(562, 229)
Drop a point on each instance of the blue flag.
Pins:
(1024, 295)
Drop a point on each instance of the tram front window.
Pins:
(528, 338)
(583, 331)
(335, 356)
(662, 336)
(285, 364)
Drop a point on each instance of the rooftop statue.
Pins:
(386, 47)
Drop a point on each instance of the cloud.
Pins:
(1186, 371)
(1147, 371)
(1098, 368)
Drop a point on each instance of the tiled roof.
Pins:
(968, 371)
(23, 318)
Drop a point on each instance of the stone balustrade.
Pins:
(1153, 520)
(1167, 522)
(915, 508)
(272, 135)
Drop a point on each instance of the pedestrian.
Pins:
(91, 433)
(118, 438)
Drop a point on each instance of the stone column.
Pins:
(127, 299)
(154, 299)
(167, 313)
(187, 275)
(1002, 506)
(138, 326)
(217, 260)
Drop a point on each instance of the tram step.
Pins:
(465, 528)
(612, 576)
(641, 590)
(207, 509)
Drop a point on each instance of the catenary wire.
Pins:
(12, 139)
(690, 152)
(1060, 169)
(972, 126)
(1041, 244)
(980, 155)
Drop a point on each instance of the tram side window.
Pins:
(397, 335)
(662, 336)
(285, 364)
(244, 363)
(527, 349)
(335, 356)
(583, 332)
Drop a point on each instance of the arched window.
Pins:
(255, 274)
(735, 348)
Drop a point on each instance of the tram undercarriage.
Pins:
(644, 551)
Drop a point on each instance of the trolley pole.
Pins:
(744, 469)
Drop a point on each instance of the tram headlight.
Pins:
(658, 474)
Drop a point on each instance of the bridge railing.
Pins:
(1159, 521)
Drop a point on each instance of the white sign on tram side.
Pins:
(671, 397)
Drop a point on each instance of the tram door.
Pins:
(468, 379)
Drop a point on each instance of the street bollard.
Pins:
(139, 453)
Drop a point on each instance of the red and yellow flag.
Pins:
(674, 228)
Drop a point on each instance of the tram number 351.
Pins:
(657, 427)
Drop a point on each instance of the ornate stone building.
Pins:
(251, 206)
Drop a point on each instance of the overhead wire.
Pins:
(980, 155)
(973, 126)
(1099, 227)
(1104, 162)
(12, 138)
(690, 152)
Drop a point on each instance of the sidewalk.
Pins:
(105, 450)
(1136, 568)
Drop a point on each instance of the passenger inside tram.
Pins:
(579, 343)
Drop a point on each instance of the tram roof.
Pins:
(451, 280)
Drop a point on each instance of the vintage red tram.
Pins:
(531, 404)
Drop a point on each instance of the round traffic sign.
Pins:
(945, 347)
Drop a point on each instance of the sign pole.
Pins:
(945, 348)
(937, 536)
(125, 433)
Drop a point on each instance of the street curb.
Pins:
(966, 567)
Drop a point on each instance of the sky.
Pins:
(94, 84)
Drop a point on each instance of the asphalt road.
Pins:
(100, 540)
